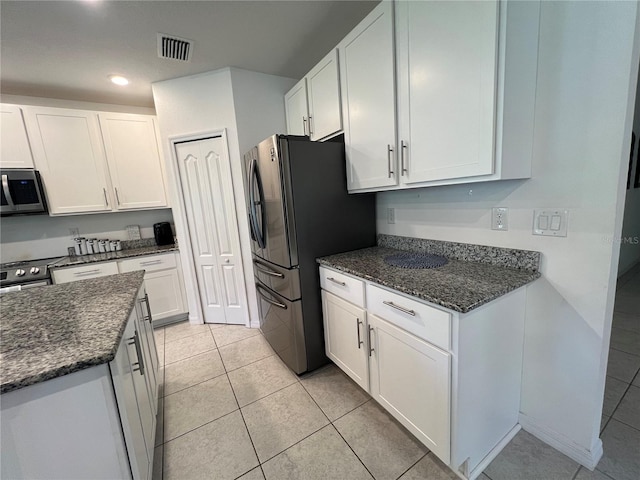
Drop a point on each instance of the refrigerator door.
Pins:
(282, 324)
(269, 193)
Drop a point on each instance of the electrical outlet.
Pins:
(500, 218)
(391, 215)
(75, 232)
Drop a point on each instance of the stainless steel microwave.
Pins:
(22, 192)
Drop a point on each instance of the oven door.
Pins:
(18, 287)
(21, 192)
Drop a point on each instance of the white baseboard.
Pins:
(495, 451)
(584, 456)
(169, 320)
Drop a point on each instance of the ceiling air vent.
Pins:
(174, 47)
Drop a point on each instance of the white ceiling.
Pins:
(66, 49)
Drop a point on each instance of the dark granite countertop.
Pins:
(459, 285)
(47, 332)
(109, 256)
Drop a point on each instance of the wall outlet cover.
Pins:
(500, 218)
(391, 215)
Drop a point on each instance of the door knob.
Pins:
(226, 261)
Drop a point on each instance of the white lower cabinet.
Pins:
(452, 379)
(84, 272)
(163, 280)
(107, 414)
(164, 284)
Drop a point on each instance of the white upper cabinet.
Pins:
(447, 62)
(134, 162)
(368, 101)
(324, 97)
(67, 150)
(296, 109)
(14, 143)
(466, 80)
(94, 162)
(312, 106)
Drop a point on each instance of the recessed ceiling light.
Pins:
(118, 80)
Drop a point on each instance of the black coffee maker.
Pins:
(162, 232)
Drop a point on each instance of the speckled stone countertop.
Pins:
(66, 328)
(105, 257)
(459, 285)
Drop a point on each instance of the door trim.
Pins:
(196, 315)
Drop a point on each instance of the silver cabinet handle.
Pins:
(7, 192)
(402, 309)
(360, 342)
(117, 196)
(331, 279)
(268, 300)
(403, 147)
(310, 126)
(145, 300)
(87, 272)
(135, 340)
(267, 271)
(389, 150)
(151, 262)
(371, 349)
(304, 125)
(106, 199)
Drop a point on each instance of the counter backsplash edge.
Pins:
(505, 257)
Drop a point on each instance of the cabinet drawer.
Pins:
(344, 286)
(93, 270)
(425, 322)
(148, 263)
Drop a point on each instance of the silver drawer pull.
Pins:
(151, 262)
(402, 309)
(88, 272)
(267, 271)
(331, 279)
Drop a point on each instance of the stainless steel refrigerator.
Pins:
(299, 210)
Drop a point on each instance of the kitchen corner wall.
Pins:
(588, 61)
(40, 236)
(250, 106)
(630, 238)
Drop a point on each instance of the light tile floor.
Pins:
(230, 409)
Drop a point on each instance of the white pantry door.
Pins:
(205, 176)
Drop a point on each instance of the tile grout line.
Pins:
(399, 476)
(199, 426)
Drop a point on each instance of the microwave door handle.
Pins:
(7, 193)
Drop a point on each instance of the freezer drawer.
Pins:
(282, 326)
(283, 281)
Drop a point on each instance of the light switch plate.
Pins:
(550, 222)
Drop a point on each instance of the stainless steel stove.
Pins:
(26, 274)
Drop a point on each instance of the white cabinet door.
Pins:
(368, 101)
(127, 388)
(344, 336)
(323, 83)
(68, 152)
(134, 161)
(296, 109)
(421, 402)
(15, 151)
(447, 70)
(205, 178)
(165, 297)
(84, 272)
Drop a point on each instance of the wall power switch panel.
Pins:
(500, 218)
(550, 222)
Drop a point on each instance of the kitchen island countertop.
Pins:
(459, 285)
(51, 331)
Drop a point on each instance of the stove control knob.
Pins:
(20, 272)
(34, 270)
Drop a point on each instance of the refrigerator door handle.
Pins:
(268, 300)
(256, 180)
